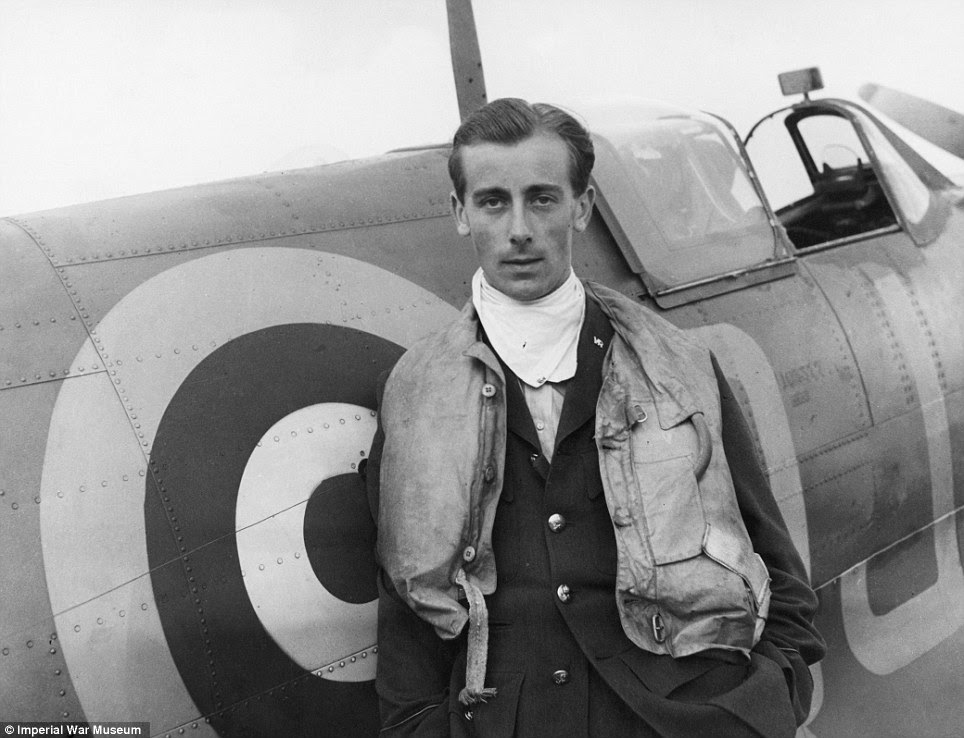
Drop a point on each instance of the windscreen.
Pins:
(689, 176)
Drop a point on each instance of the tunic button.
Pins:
(489, 473)
(560, 677)
(556, 522)
(469, 553)
(540, 425)
(563, 593)
(488, 390)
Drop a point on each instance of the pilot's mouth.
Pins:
(522, 262)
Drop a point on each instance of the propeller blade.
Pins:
(941, 126)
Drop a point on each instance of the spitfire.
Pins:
(187, 382)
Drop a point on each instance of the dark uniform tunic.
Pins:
(557, 652)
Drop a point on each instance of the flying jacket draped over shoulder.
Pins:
(688, 579)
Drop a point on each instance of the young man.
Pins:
(575, 534)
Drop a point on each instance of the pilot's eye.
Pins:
(490, 203)
(543, 200)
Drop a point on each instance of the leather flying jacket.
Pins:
(688, 579)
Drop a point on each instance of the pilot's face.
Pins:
(521, 211)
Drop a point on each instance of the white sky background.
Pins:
(101, 98)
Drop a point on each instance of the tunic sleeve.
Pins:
(789, 637)
(414, 665)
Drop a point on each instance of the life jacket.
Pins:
(687, 578)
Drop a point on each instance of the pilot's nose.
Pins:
(520, 233)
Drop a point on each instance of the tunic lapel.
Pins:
(583, 390)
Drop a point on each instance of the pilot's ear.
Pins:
(458, 212)
(584, 205)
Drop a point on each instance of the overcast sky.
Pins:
(100, 98)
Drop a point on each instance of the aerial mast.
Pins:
(466, 57)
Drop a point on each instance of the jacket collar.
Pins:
(661, 355)
(464, 336)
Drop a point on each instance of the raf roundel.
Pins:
(231, 574)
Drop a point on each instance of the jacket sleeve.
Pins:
(789, 637)
(414, 664)
(414, 670)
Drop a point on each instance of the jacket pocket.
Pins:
(717, 599)
(709, 588)
(672, 507)
(705, 588)
(653, 443)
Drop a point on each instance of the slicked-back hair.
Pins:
(510, 120)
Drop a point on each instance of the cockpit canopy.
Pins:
(686, 173)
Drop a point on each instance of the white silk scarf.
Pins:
(536, 339)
